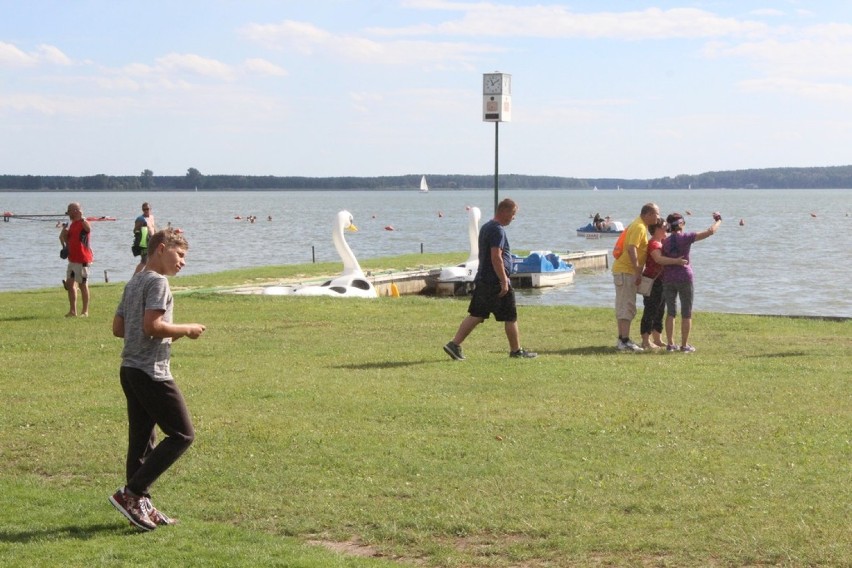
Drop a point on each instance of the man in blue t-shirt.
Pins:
(492, 293)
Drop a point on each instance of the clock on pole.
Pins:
(496, 108)
(496, 97)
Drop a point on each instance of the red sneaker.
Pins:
(133, 508)
(158, 517)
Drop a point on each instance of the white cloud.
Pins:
(308, 39)
(79, 107)
(12, 56)
(816, 52)
(557, 21)
(828, 92)
(196, 65)
(264, 67)
(769, 12)
(54, 55)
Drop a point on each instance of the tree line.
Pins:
(834, 177)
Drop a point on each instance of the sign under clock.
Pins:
(496, 97)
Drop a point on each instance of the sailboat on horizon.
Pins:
(424, 187)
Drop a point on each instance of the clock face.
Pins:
(492, 84)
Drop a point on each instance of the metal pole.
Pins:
(496, 162)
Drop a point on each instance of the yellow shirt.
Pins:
(637, 235)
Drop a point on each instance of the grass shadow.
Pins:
(381, 365)
(19, 318)
(76, 532)
(780, 354)
(587, 350)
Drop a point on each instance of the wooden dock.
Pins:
(424, 281)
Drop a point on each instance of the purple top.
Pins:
(677, 245)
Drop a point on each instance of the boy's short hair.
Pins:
(172, 238)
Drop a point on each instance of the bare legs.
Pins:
(470, 322)
(685, 328)
(72, 297)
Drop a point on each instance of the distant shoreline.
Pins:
(830, 177)
(408, 189)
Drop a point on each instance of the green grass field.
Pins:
(337, 433)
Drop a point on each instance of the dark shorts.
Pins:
(486, 301)
(673, 290)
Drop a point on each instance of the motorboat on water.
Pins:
(606, 229)
(540, 269)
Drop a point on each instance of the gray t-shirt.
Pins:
(147, 290)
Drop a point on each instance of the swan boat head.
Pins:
(466, 271)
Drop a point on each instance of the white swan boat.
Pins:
(352, 283)
(458, 280)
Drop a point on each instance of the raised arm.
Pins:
(707, 232)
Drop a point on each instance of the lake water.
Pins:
(784, 260)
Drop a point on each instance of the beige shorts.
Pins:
(77, 271)
(625, 296)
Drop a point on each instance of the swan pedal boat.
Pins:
(458, 280)
(352, 283)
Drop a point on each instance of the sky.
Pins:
(600, 88)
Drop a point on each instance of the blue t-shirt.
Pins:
(492, 234)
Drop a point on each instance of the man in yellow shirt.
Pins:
(627, 273)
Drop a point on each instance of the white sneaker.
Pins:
(628, 346)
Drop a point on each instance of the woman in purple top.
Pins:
(677, 279)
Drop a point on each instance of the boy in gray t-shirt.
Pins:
(144, 319)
